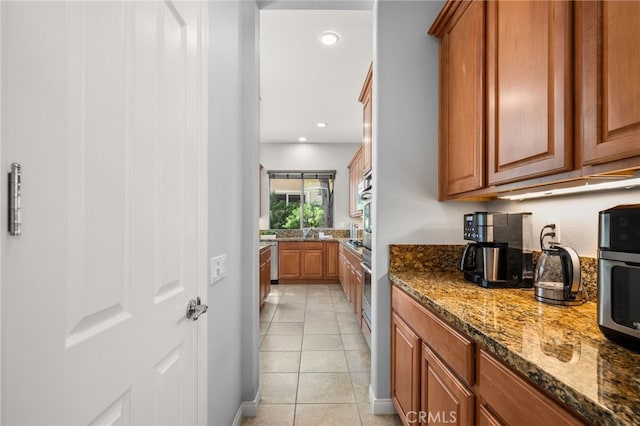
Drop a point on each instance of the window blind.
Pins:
(299, 174)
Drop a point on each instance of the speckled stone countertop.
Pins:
(561, 349)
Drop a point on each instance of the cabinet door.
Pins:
(608, 70)
(444, 399)
(462, 103)
(515, 400)
(342, 270)
(529, 89)
(289, 264)
(486, 418)
(312, 264)
(331, 260)
(405, 370)
(355, 177)
(357, 292)
(367, 122)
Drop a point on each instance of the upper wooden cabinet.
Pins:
(461, 135)
(529, 89)
(355, 177)
(367, 121)
(559, 100)
(608, 74)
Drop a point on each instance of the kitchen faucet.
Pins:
(305, 231)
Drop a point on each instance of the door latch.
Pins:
(15, 220)
(195, 309)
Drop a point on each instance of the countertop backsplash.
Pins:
(446, 258)
(313, 233)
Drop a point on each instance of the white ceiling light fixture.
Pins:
(329, 38)
(321, 124)
(302, 139)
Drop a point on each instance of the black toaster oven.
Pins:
(619, 274)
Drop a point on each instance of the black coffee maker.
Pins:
(500, 256)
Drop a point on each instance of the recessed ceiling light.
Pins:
(329, 38)
(321, 124)
(302, 139)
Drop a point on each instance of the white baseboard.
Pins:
(247, 409)
(380, 406)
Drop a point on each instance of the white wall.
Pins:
(310, 156)
(578, 215)
(405, 163)
(233, 206)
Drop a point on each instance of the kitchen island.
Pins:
(558, 349)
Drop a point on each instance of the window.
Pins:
(301, 199)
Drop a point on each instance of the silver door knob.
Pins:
(195, 309)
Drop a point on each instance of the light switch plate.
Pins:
(217, 268)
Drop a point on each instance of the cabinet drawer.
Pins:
(450, 345)
(515, 400)
(301, 245)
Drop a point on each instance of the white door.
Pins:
(103, 105)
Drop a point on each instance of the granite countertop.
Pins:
(559, 348)
(353, 249)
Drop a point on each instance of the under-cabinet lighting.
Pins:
(587, 186)
(302, 139)
(321, 124)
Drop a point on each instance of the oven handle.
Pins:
(366, 268)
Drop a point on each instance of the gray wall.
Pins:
(405, 157)
(233, 207)
(307, 156)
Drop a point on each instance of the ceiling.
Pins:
(303, 82)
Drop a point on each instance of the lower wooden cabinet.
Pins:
(265, 274)
(307, 262)
(439, 377)
(444, 398)
(331, 259)
(509, 399)
(350, 274)
(405, 370)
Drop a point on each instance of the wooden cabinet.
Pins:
(529, 89)
(608, 81)
(355, 177)
(313, 263)
(461, 128)
(356, 290)
(331, 260)
(351, 280)
(439, 376)
(367, 120)
(307, 262)
(265, 274)
(508, 399)
(443, 396)
(289, 261)
(405, 370)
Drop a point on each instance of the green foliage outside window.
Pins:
(287, 216)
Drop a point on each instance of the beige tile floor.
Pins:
(314, 362)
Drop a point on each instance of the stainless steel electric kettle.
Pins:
(557, 276)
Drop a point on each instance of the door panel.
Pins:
(97, 148)
(608, 95)
(529, 89)
(106, 119)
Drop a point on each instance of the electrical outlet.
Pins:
(558, 237)
(217, 268)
